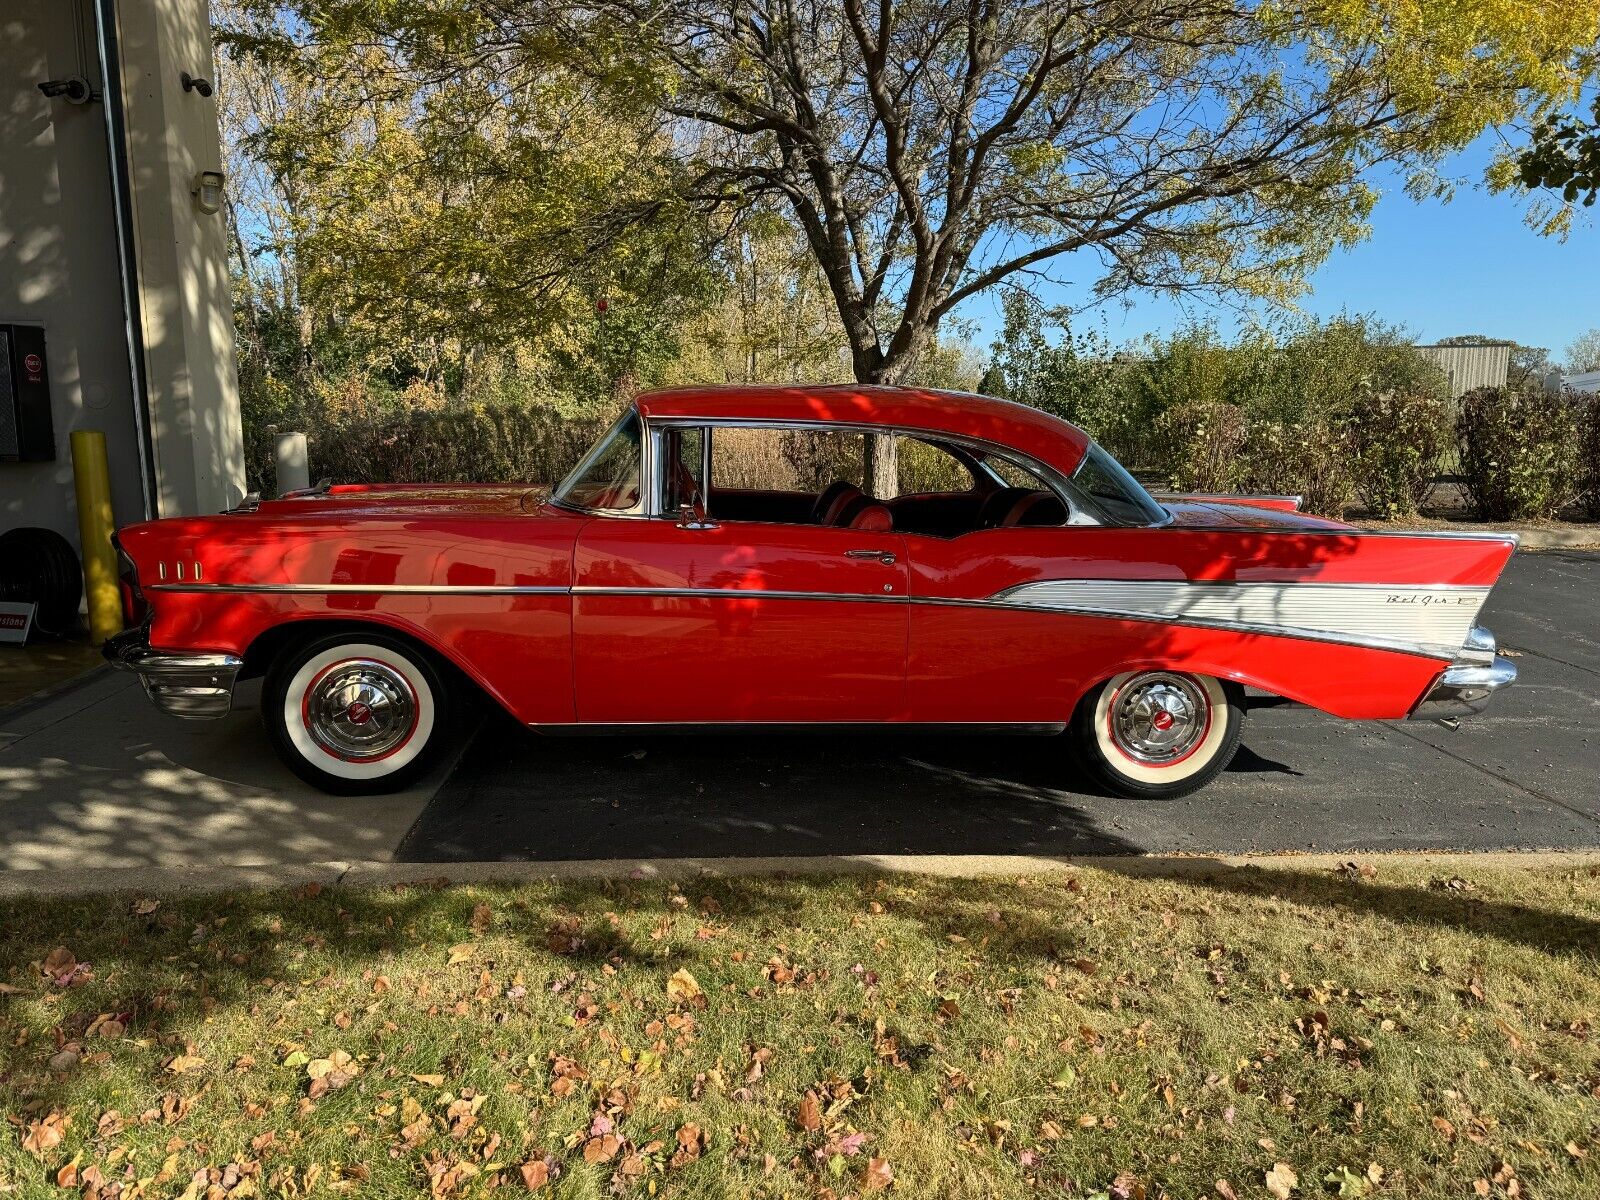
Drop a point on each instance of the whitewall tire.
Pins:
(1158, 734)
(356, 713)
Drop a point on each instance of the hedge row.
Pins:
(1523, 454)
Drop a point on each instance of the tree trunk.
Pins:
(881, 471)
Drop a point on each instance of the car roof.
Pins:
(1039, 435)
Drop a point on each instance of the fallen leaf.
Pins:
(1225, 1190)
(1281, 1180)
(430, 1080)
(482, 918)
(46, 1133)
(810, 1115)
(535, 1174)
(601, 1149)
(879, 1175)
(682, 987)
(460, 953)
(145, 905)
(1348, 1182)
(180, 1063)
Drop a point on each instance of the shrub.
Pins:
(1589, 453)
(457, 443)
(1396, 439)
(1199, 445)
(1519, 452)
(1310, 458)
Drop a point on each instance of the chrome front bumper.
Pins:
(1469, 683)
(196, 685)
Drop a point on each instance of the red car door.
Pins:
(743, 621)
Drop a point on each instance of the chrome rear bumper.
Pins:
(196, 685)
(1469, 683)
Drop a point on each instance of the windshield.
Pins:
(608, 476)
(1111, 491)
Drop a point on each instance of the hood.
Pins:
(402, 499)
(1195, 514)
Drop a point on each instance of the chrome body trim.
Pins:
(1434, 620)
(1465, 689)
(194, 684)
(385, 589)
(1241, 499)
(1087, 604)
(604, 728)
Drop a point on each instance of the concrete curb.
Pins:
(163, 880)
(1558, 539)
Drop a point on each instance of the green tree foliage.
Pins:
(445, 212)
(1565, 156)
(1038, 359)
(1584, 353)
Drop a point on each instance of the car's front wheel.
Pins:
(1153, 735)
(356, 714)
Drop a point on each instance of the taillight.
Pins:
(135, 609)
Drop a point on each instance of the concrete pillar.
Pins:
(294, 465)
(186, 308)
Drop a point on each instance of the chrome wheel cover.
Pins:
(1159, 717)
(360, 710)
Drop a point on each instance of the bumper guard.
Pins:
(1469, 683)
(196, 685)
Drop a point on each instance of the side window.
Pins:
(785, 460)
(923, 467)
(685, 467)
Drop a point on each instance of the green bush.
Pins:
(1395, 442)
(1199, 443)
(1519, 452)
(1589, 453)
(1309, 458)
(485, 442)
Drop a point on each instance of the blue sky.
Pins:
(1467, 266)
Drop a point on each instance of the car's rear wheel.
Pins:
(357, 714)
(1153, 735)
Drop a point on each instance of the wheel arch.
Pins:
(1352, 682)
(281, 637)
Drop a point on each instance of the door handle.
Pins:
(886, 557)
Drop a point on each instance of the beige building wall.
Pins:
(60, 257)
(187, 308)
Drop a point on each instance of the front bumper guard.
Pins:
(195, 685)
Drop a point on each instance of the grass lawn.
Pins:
(1286, 1032)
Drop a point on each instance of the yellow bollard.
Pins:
(92, 478)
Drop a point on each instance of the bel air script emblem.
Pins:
(1424, 599)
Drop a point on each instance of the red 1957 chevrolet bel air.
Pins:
(694, 571)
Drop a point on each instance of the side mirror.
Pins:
(692, 513)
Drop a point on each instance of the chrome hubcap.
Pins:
(361, 709)
(1157, 718)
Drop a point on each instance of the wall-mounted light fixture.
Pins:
(207, 191)
(74, 89)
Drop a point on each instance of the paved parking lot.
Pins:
(95, 778)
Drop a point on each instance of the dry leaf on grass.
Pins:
(1281, 1180)
(683, 988)
(879, 1175)
(535, 1174)
(810, 1115)
(46, 1133)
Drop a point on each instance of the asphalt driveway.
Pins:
(95, 778)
